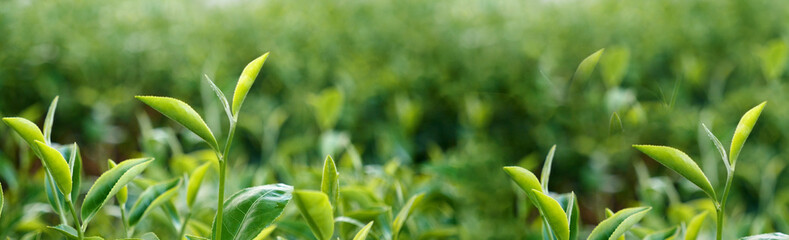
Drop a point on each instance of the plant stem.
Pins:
(123, 219)
(720, 210)
(182, 232)
(222, 167)
(80, 234)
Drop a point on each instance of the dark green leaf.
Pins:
(153, 197)
(249, 211)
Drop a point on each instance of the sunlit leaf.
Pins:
(123, 194)
(362, 234)
(246, 80)
(57, 167)
(153, 197)
(618, 224)
(694, 226)
(524, 178)
(404, 213)
(587, 66)
(681, 163)
(190, 237)
(26, 129)
(317, 212)
(744, 128)
(182, 113)
(553, 214)
(265, 232)
(249, 211)
(109, 184)
(330, 181)
(608, 214)
(767, 236)
(195, 181)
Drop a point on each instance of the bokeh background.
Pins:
(431, 96)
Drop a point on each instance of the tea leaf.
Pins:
(404, 213)
(123, 194)
(362, 234)
(662, 234)
(573, 215)
(330, 182)
(109, 184)
(744, 128)
(767, 236)
(2, 200)
(182, 113)
(695, 225)
(54, 197)
(546, 169)
(681, 163)
(245, 81)
(608, 214)
(57, 166)
(618, 224)
(587, 66)
(195, 181)
(553, 213)
(49, 119)
(265, 232)
(190, 237)
(316, 210)
(27, 130)
(718, 145)
(613, 65)
(615, 124)
(75, 164)
(149, 236)
(221, 97)
(153, 197)
(327, 106)
(249, 211)
(524, 178)
(67, 231)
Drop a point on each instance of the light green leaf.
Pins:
(249, 211)
(265, 232)
(2, 199)
(316, 210)
(608, 214)
(694, 226)
(27, 130)
(618, 224)
(327, 107)
(743, 130)
(195, 181)
(57, 167)
(49, 119)
(149, 236)
(524, 178)
(573, 215)
(719, 146)
(404, 213)
(182, 113)
(190, 237)
(330, 182)
(553, 213)
(109, 184)
(681, 163)
(773, 58)
(123, 194)
(222, 98)
(662, 234)
(587, 66)
(362, 234)
(246, 80)
(613, 65)
(768, 236)
(75, 165)
(546, 169)
(153, 197)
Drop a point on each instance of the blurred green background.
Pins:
(439, 95)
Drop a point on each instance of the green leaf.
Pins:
(681, 163)
(54, 197)
(662, 234)
(546, 169)
(246, 80)
(330, 181)
(153, 197)
(67, 231)
(75, 165)
(123, 194)
(222, 99)
(327, 106)
(524, 178)
(57, 167)
(362, 234)
(613, 65)
(404, 213)
(27, 130)
(768, 236)
(195, 181)
(265, 232)
(109, 184)
(719, 146)
(615, 124)
(618, 224)
(191, 237)
(149, 236)
(49, 119)
(773, 58)
(573, 215)
(317, 211)
(553, 213)
(249, 211)
(608, 214)
(694, 226)
(587, 66)
(743, 130)
(2, 199)
(182, 113)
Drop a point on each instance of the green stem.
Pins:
(123, 220)
(182, 232)
(721, 208)
(80, 234)
(222, 167)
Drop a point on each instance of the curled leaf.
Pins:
(681, 163)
